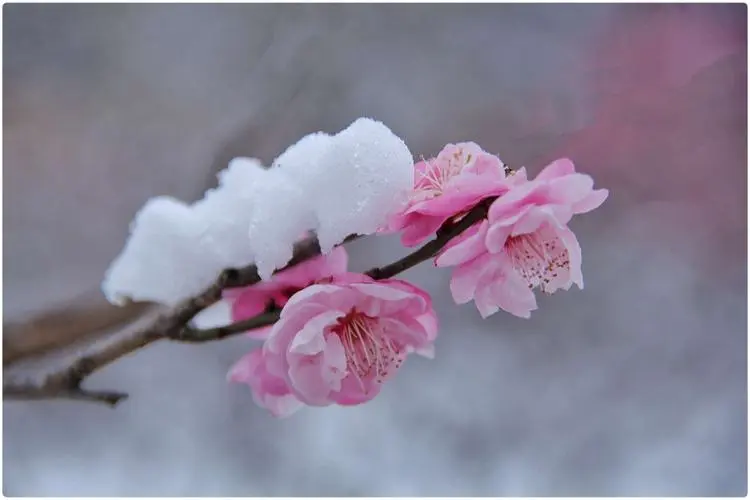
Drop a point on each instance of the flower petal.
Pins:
(308, 382)
(334, 362)
(311, 339)
(465, 278)
(557, 168)
(590, 202)
(574, 254)
(281, 406)
(469, 245)
(420, 229)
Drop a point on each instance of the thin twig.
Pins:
(196, 335)
(30, 392)
(446, 233)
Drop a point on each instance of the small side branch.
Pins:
(196, 335)
(30, 392)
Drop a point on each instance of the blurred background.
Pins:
(634, 386)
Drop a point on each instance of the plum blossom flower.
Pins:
(253, 300)
(338, 342)
(268, 391)
(452, 183)
(523, 244)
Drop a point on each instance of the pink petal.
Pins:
(426, 352)
(281, 406)
(248, 303)
(336, 262)
(514, 296)
(408, 287)
(488, 164)
(469, 245)
(334, 362)
(570, 189)
(501, 288)
(243, 370)
(308, 382)
(405, 330)
(465, 278)
(518, 177)
(557, 168)
(382, 292)
(429, 322)
(574, 253)
(461, 193)
(335, 355)
(420, 229)
(353, 392)
(508, 205)
(592, 201)
(497, 235)
(325, 294)
(379, 300)
(313, 269)
(310, 339)
(531, 220)
(284, 330)
(268, 391)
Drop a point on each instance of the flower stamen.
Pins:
(538, 258)
(368, 351)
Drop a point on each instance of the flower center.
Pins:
(438, 171)
(541, 259)
(368, 351)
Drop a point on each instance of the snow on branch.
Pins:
(333, 185)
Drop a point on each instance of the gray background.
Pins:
(635, 385)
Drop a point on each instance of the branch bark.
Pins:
(174, 324)
(171, 325)
(65, 325)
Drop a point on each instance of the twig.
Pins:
(30, 392)
(430, 249)
(195, 335)
(174, 324)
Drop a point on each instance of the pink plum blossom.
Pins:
(452, 183)
(268, 391)
(253, 300)
(337, 342)
(523, 244)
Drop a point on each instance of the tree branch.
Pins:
(30, 392)
(195, 335)
(67, 324)
(446, 233)
(174, 324)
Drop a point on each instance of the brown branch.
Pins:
(196, 335)
(65, 325)
(31, 392)
(446, 233)
(174, 324)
